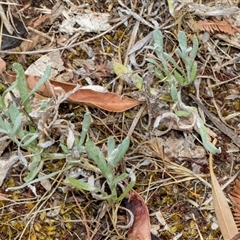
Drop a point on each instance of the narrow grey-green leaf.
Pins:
(17, 123)
(29, 139)
(22, 86)
(119, 152)
(110, 145)
(181, 79)
(205, 138)
(13, 86)
(97, 156)
(174, 93)
(120, 178)
(195, 48)
(85, 126)
(78, 184)
(13, 112)
(34, 172)
(126, 191)
(182, 39)
(43, 79)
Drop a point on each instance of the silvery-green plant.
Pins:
(16, 122)
(166, 67)
(178, 74)
(107, 167)
(22, 133)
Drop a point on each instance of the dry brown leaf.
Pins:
(141, 226)
(217, 26)
(223, 212)
(108, 101)
(235, 194)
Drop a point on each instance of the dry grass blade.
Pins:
(223, 212)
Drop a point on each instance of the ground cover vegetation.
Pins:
(119, 120)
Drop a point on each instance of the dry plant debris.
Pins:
(109, 120)
(217, 26)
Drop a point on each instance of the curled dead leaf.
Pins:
(141, 226)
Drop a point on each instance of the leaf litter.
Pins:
(166, 155)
